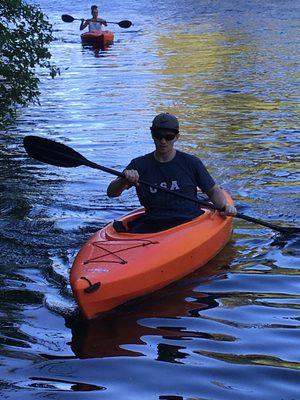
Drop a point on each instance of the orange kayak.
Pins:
(114, 267)
(99, 39)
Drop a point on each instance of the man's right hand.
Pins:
(132, 176)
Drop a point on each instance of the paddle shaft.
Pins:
(109, 22)
(122, 24)
(152, 185)
(183, 196)
(58, 154)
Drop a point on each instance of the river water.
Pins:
(228, 70)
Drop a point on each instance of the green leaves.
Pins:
(25, 35)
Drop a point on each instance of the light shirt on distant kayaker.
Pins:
(95, 26)
(183, 174)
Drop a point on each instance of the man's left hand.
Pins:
(228, 211)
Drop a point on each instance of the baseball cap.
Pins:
(165, 121)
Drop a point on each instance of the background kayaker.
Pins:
(174, 170)
(95, 23)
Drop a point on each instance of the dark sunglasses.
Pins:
(160, 136)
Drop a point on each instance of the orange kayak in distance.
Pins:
(114, 267)
(99, 39)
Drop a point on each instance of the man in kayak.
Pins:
(95, 23)
(171, 169)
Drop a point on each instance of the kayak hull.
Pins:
(99, 39)
(115, 267)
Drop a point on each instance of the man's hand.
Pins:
(132, 176)
(228, 211)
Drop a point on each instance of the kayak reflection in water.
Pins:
(171, 169)
(95, 23)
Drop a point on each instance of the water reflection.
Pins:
(121, 332)
(253, 359)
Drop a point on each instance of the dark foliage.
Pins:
(25, 35)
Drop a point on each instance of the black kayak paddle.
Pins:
(58, 154)
(122, 24)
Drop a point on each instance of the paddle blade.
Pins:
(53, 153)
(67, 18)
(125, 23)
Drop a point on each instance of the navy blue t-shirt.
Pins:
(183, 174)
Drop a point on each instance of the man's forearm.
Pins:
(116, 187)
(217, 196)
